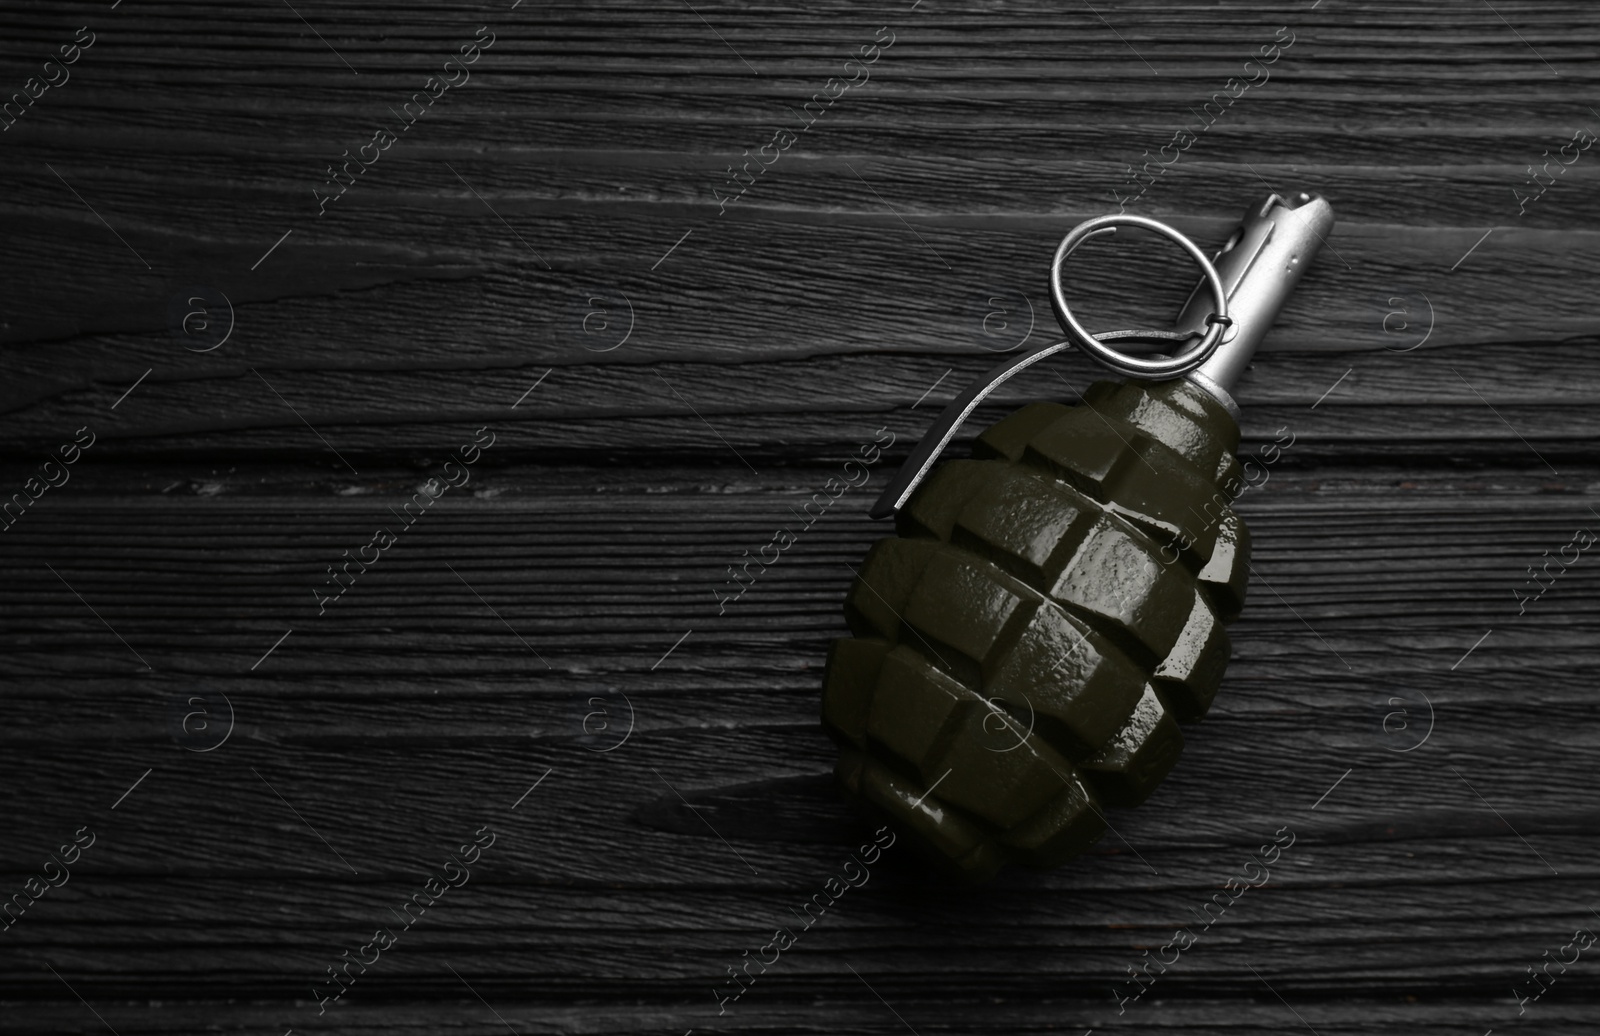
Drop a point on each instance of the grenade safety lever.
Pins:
(1250, 279)
(1025, 645)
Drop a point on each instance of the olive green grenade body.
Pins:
(1025, 645)
(1047, 611)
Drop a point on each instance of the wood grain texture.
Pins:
(507, 635)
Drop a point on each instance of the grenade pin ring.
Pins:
(1134, 366)
(957, 411)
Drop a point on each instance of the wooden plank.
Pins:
(1497, 405)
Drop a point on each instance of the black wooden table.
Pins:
(374, 463)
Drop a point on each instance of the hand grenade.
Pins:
(1046, 613)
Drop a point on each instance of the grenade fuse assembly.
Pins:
(1025, 644)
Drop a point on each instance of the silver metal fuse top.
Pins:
(1259, 266)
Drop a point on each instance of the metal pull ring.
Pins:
(1134, 366)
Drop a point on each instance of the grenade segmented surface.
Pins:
(1046, 612)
